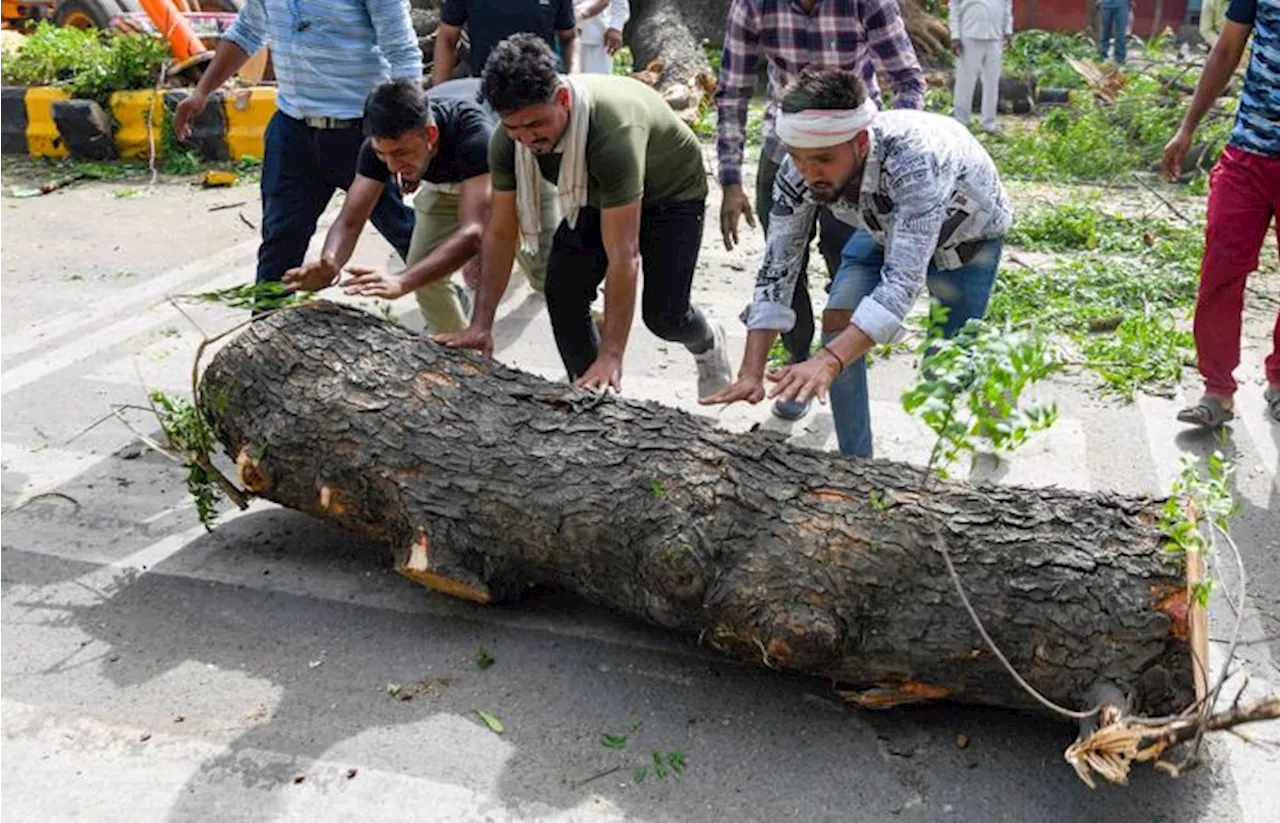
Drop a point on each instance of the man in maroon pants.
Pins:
(1244, 197)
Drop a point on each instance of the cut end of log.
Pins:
(1177, 606)
(251, 475)
(417, 564)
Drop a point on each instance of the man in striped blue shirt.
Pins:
(328, 55)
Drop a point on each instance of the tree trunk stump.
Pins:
(486, 480)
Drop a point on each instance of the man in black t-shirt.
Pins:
(439, 145)
(489, 22)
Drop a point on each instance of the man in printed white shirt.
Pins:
(980, 29)
(935, 215)
(600, 24)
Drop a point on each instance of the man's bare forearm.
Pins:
(591, 9)
(497, 255)
(619, 304)
(340, 242)
(444, 259)
(444, 57)
(572, 56)
(851, 344)
(228, 58)
(1223, 59)
(755, 357)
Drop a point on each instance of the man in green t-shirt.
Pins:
(632, 189)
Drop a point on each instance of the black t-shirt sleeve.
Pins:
(454, 13)
(564, 16)
(472, 150)
(1243, 11)
(368, 164)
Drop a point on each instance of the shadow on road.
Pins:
(266, 592)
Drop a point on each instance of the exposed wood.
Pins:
(486, 480)
(669, 56)
(1111, 750)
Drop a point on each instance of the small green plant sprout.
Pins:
(970, 392)
(484, 658)
(1198, 512)
(613, 741)
(879, 500)
(659, 490)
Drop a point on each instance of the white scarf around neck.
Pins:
(572, 182)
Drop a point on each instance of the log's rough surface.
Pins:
(488, 480)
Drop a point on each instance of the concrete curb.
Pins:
(44, 121)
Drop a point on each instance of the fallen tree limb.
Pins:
(1111, 750)
(486, 481)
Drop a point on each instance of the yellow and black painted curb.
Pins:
(44, 121)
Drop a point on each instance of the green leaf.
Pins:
(393, 689)
(612, 741)
(494, 724)
(484, 659)
(659, 490)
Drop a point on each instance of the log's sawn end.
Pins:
(416, 566)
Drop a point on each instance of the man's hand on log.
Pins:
(802, 381)
(604, 374)
(313, 276)
(472, 337)
(750, 389)
(369, 282)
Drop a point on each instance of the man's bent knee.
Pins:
(664, 324)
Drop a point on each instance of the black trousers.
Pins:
(834, 234)
(670, 237)
(301, 168)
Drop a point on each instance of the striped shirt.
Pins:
(1257, 127)
(329, 54)
(930, 195)
(859, 35)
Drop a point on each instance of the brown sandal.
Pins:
(1207, 413)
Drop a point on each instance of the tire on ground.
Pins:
(92, 14)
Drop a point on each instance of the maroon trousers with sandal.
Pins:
(1244, 197)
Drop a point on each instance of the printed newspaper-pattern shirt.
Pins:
(930, 193)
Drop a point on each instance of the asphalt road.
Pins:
(155, 672)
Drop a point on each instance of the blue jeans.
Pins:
(1115, 25)
(301, 168)
(964, 291)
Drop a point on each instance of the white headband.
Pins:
(821, 128)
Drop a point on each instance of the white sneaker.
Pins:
(714, 372)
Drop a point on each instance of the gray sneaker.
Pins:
(714, 372)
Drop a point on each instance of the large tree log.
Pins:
(487, 480)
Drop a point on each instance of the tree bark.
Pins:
(486, 481)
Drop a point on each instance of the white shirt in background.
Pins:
(981, 19)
